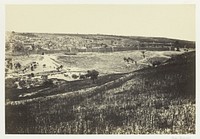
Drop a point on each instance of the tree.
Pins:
(156, 63)
(82, 77)
(143, 54)
(177, 45)
(61, 66)
(74, 76)
(32, 69)
(125, 59)
(93, 74)
(32, 75)
(17, 65)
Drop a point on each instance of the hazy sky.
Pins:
(174, 21)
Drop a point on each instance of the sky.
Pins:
(172, 21)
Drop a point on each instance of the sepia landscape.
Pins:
(98, 84)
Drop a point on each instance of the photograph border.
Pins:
(49, 136)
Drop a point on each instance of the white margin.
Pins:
(49, 136)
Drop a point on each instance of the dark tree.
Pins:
(18, 66)
(156, 63)
(177, 45)
(74, 76)
(143, 54)
(59, 68)
(93, 74)
(32, 74)
(32, 69)
(82, 77)
(125, 59)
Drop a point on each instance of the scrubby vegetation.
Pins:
(154, 100)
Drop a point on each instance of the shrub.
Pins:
(93, 74)
(156, 63)
(32, 75)
(74, 76)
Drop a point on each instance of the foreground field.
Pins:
(148, 101)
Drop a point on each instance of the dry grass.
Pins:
(151, 101)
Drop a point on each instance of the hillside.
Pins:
(20, 84)
(153, 100)
(27, 43)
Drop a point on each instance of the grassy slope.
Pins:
(103, 62)
(66, 86)
(155, 100)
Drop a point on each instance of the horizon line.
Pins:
(103, 34)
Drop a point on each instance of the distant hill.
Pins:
(26, 43)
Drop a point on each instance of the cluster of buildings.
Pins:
(37, 42)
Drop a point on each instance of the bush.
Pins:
(156, 63)
(32, 75)
(74, 76)
(93, 74)
(82, 77)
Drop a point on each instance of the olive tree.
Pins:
(93, 74)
